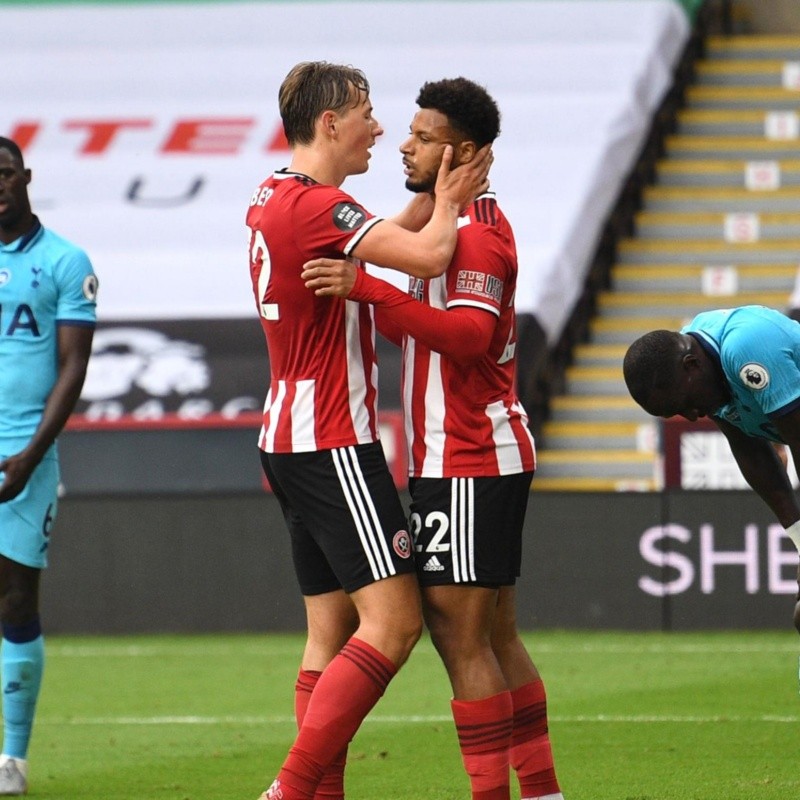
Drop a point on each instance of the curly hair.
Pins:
(468, 107)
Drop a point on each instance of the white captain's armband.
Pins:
(793, 532)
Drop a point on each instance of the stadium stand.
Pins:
(719, 226)
(149, 131)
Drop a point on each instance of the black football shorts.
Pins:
(345, 518)
(469, 530)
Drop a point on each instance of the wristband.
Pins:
(793, 532)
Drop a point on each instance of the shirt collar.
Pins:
(18, 245)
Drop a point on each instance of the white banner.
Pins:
(147, 127)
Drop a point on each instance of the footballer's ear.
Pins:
(690, 362)
(465, 152)
(327, 123)
(688, 357)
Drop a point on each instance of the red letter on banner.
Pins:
(278, 142)
(23, 133)
(101, 132)
(208, 136)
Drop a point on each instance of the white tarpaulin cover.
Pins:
(148, 126)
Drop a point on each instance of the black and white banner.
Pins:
(147, 126)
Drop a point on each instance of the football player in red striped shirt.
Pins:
(470, 452)
(319, 441)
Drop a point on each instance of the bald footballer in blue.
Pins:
(758, 350)
(741, 368)
(48, 292)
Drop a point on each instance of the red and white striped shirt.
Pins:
(324, 379)
(466, 420)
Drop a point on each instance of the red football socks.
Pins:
(331, 787)
(344, 694)
(484, 735)
(531, 755)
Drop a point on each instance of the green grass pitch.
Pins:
(632, 717)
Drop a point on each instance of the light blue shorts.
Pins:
(27, 521)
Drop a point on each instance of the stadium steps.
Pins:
(720, 226)
(702, 278)
(596, 408)
(707, 251)
(741, 73)
(725, 122)
(712, 224)
(700, 199)
(721, 173)
(753, 48)
(628, 305)
(736, 147)
(771, 98)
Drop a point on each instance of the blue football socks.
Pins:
(21, 667)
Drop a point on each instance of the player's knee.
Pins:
(18, 606)
(410, 631)
(403, 631)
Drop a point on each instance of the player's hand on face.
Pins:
(465, 182)
(329, 277)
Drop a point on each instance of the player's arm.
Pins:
(463, 334)
(74, 348)
(417, 214)
(387, 328)
(427, 252)
(763, 470)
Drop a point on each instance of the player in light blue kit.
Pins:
(741, 368)
(47, 317)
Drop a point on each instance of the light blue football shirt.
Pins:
(758, 350)
(45, 281)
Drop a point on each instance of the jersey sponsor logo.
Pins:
(5, 276)
(348, 216)
(22, 319)
(433, 565)
(401, 542)
(754, 376)
(90, 287)
(479, 283)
